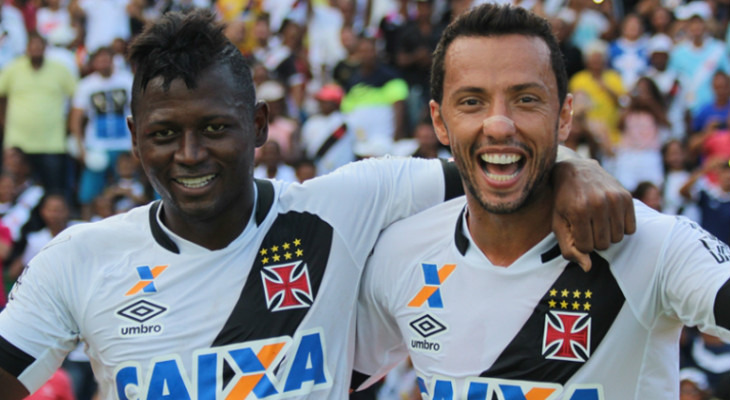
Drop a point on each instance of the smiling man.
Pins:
(229, 287)
(478, 296)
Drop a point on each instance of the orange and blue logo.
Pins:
(431, 291)
(147, 277)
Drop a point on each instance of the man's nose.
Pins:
(498, 124)
(191, 150)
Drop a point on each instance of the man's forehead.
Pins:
(486, 55)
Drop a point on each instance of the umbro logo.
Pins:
(141, 311)
(427, 326)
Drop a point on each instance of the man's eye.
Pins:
(528, 99)
(214, 127)
(163, 133)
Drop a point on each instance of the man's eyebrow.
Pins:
(469, 89)
(526, 86)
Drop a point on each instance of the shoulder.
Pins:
(102, 236)
(653, 232)
(424, 230)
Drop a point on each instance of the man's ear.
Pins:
(261, 122)
(133, 132)
(438, 122)
(565, 118)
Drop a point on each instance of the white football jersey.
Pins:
(541, 328)
(270, 316)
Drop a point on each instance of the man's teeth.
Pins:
(500, 159)
(500, 177)
(493, 158)
(194, 183)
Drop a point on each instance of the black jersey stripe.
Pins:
(526, 358)
(252, 318)
(12, 359)
(452, 180)
(722, 306)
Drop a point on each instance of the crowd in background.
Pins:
(349, 79)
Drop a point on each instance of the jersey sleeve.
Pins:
(695, 266)
(379, 343)
(36, 328)
(362, 198)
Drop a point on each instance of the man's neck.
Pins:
(503, 238)
(213, 233)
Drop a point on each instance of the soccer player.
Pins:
(228, 287)
(479, 297)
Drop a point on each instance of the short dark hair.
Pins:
(497, 20)
(183, 45)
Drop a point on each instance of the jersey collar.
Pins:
(264, 201)
(462, 242)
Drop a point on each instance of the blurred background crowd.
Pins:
(349, 79)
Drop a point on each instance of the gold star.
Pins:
(576, 305)
(553, 292)
(576, 294)
(586, 306)
(299, 252)
(564, 293)
(274, 248)
(297, 242)
(285, 246)
(588, 294)
(563, 304)
(263, 252)
(276, 257)
(265, 260)
(287, 256)
(552, 303)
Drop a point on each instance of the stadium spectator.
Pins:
(98, 124)
(698, 57)
(416, 42)
(713, 200)
(676, 173)
(326, 137)
(282, 128)
(573, 55)
(346, 68)
(272, 165)
(105, 20)
(13, 33)
(649, 194)
(604, 89)
(641, 124)
(27, 193)
(127, 190)
(37, 91)
(628, 55)
(667, 80)
(713, 114)
(375, 95)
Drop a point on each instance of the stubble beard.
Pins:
(529, 192)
